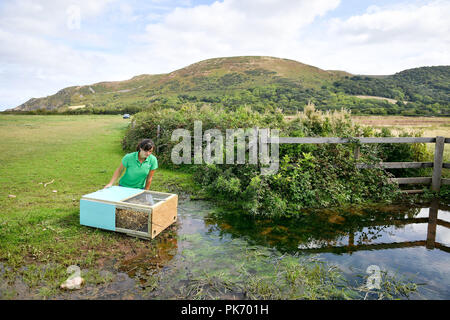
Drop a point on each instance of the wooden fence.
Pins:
(435, 181)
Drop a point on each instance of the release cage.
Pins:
(136, 212)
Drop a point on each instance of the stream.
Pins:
(221, 255)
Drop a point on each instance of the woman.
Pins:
(140, 167)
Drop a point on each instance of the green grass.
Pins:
(48, 163)
(440, 129)
(427, 126)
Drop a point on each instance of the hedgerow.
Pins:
(309, 175)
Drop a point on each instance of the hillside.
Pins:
(209, 75)
(262, 82)
(428, 87)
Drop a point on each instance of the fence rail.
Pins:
(435, 181)
(320, 140)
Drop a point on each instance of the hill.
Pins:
(262, 82)
(215, 75)
(428, 88)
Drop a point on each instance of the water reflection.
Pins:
(207, 244)
(410, 241)
(148, 262)
(371, 231)
(342, 231)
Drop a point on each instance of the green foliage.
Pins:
(425, 89)
(402, 152)
(444, 193)
(323, 175)
(146, 124)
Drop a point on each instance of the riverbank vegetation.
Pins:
(309, 176)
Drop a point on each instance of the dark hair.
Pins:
(146, 145)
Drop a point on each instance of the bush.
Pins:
(145, 124)
(322, 175)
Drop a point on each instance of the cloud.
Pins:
(46, 17)
(230, 28)
(382, 40)
(409, 22)
(39, 54)
(37, 34)
(389, 39)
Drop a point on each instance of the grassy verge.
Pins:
(47, 163)
(429, 126)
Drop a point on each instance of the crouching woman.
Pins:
(139, 167)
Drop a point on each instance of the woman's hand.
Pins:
(116, 175)
(149, 180)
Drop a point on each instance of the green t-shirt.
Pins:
(136, 172)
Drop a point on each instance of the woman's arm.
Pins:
(116, 175)
(149, 179)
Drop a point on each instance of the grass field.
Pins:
(47, 163)
(429, 126)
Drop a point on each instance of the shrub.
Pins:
(321, 175)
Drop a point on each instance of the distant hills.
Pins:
(430, 84)
(261, 82)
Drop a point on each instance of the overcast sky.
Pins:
(48, 45)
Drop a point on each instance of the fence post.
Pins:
(357, 152)
(157, 138)
(432, 222)
(437, 165)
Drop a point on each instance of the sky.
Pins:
(49, 45)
